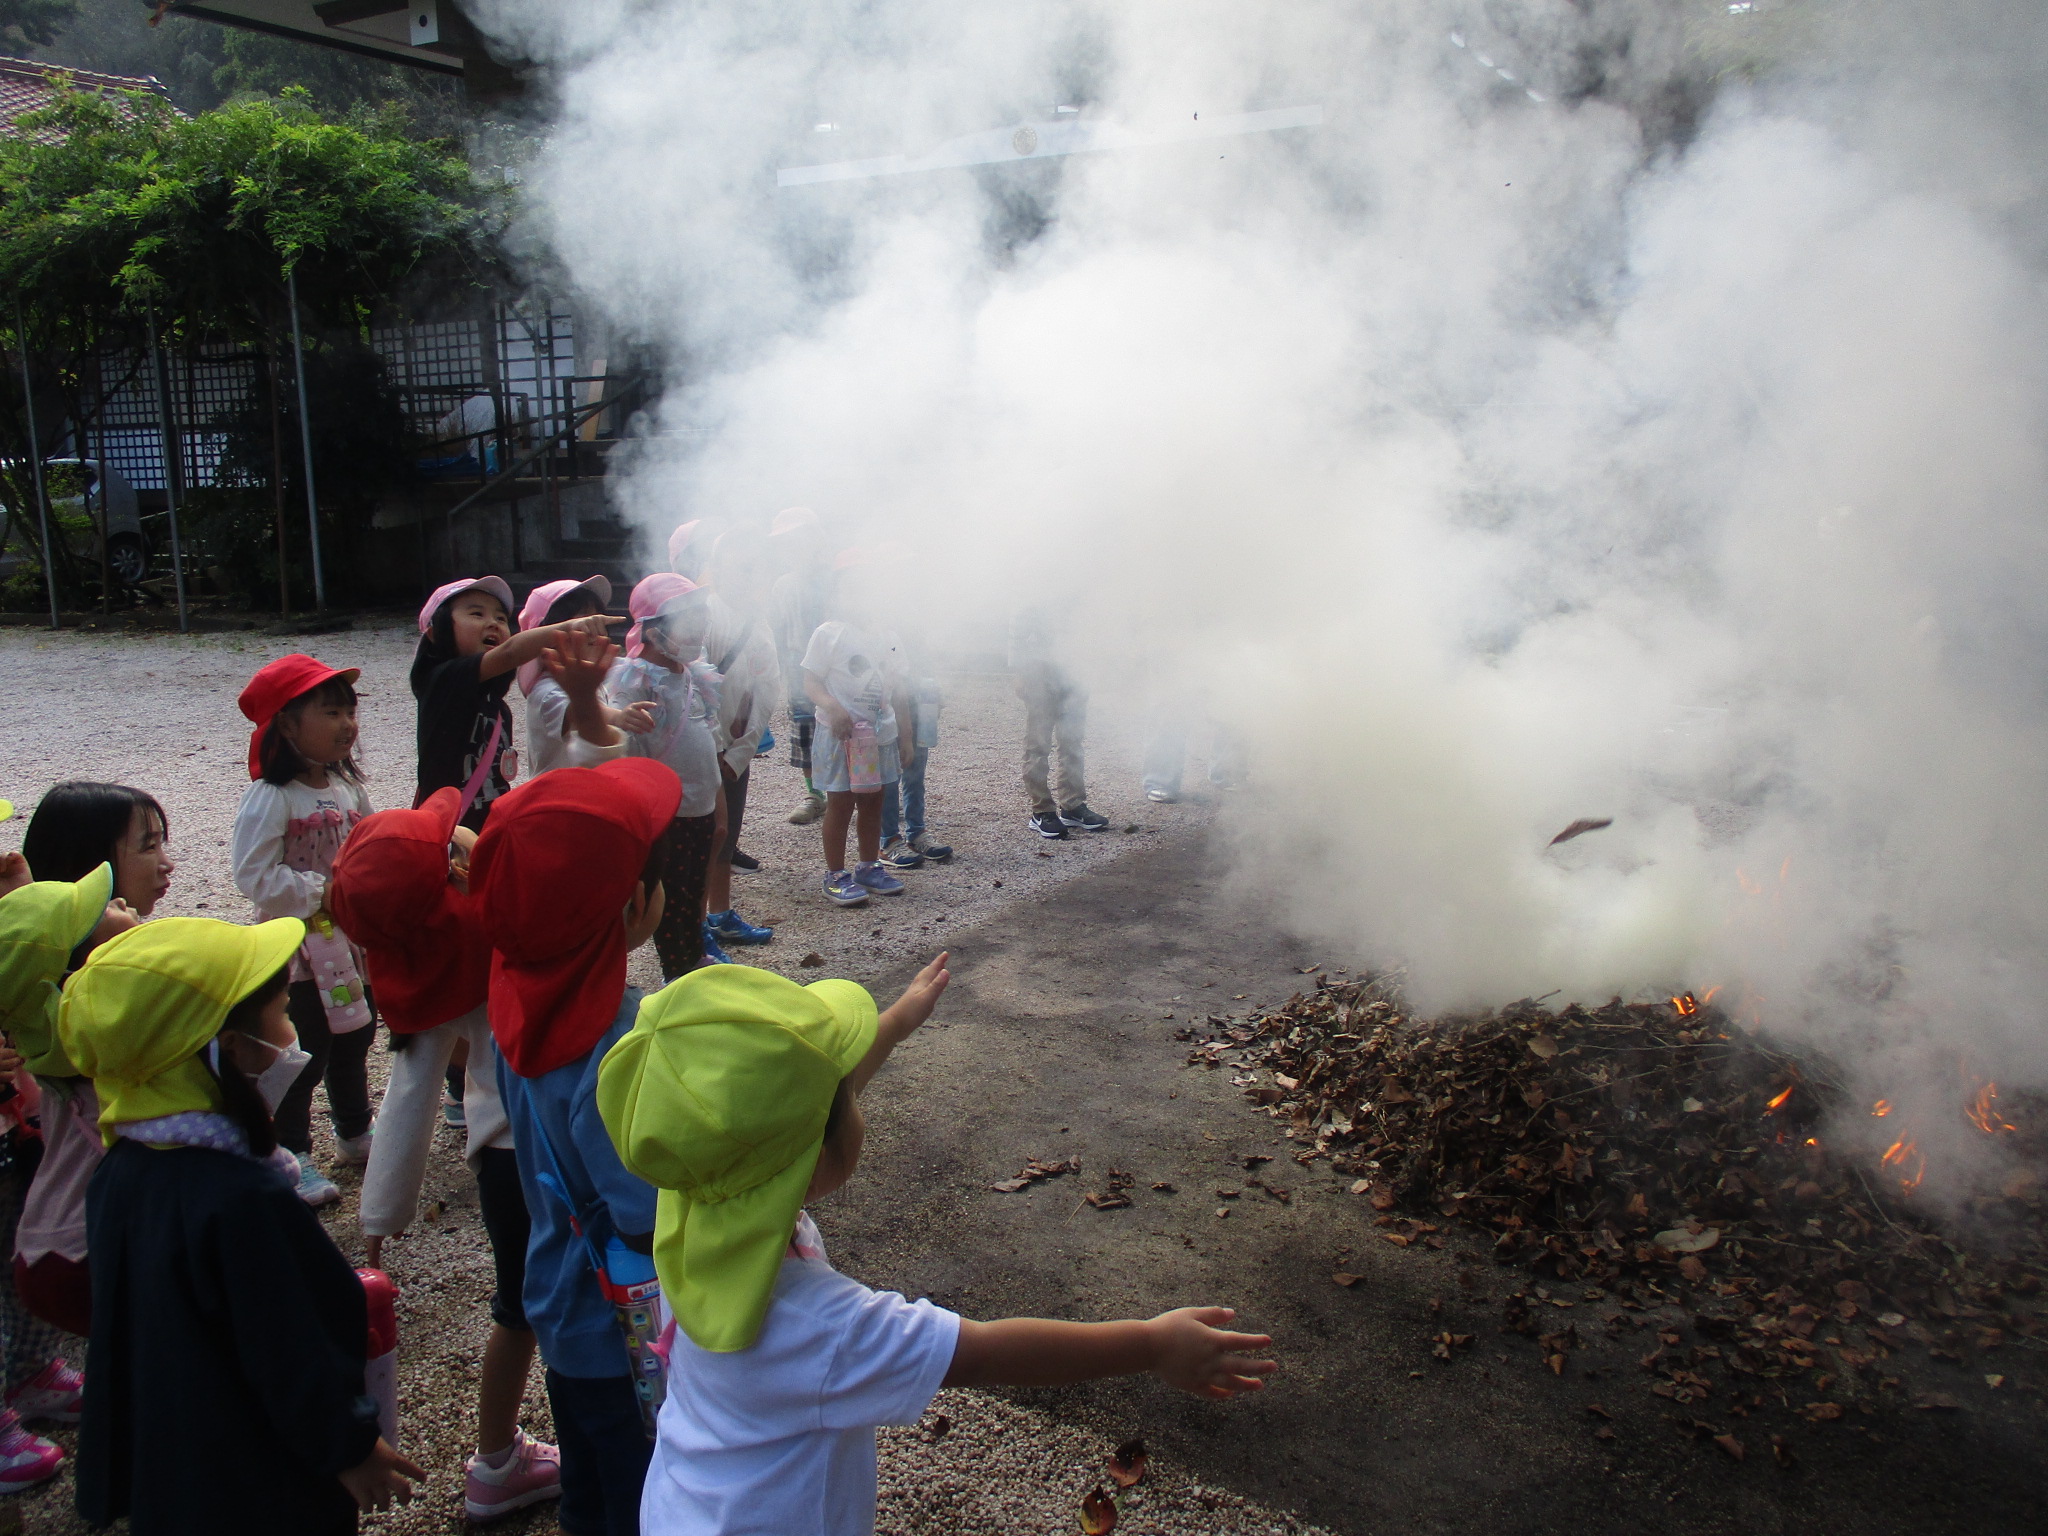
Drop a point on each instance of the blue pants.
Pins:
(907, 812)
(605, 1452)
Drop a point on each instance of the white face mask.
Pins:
(275, 1080)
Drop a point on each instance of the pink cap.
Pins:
(680, 540)
(535, 614)
(653, 594)
(790, 519)
(495, 585)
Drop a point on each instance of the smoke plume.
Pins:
(1605, 409)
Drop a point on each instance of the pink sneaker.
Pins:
(56, 1393)
(25, 1459)
(531, 1473)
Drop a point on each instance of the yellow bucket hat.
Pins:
(40, 924)
(718, 1097)
(136, 1015)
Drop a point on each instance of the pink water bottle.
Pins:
(332, 960)
(863, 758)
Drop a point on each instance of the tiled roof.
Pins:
(27, 85)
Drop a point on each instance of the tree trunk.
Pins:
(284, 595)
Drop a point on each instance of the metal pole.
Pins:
(291, 280)
(167, 441)
(35, 459)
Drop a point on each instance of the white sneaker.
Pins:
(353, 1151)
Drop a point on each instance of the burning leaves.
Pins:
(1661, 1155)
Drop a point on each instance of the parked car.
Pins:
(128, 546)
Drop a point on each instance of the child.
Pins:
(307, 796)
(399, 892)
(738, 1094)
(552, 740)
(224, 1381)
(79, 826)
(662, 671)
(796, 606)
(854, 679)
(566, 875)
(468, 652)
(41, 926)
(742, 653)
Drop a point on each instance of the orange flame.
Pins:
(1813, 1141)
(1983, 1116)
(1881, 1108)
(1772, 1107)
(1687, 1006)
(1898, 1155)
(1709, 997)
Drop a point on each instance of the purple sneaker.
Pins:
(876, 877)
(531, 1473)
(56, 1393)
(844, 890)
(25, 1459)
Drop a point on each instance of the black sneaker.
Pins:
(1080, 816)
(1048, 824)
(745, 861)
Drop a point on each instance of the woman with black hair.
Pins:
(80, 825)
(306, 795)
(219, 1301)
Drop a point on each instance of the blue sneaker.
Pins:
(876, 877)
(900, 855)
(712, 953)
(844, 890)
(938, 853)
(731, 928)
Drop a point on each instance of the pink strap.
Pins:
(484, 765)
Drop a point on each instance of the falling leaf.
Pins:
(1098, 1512)
(1346, 1280)
(1580, 828)
(1127, 1463)
(1730, 1444)
(814, 959)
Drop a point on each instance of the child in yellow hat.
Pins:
(737, 1094)
(218, 1298)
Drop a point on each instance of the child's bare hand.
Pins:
(14, 872)
(11, 1060)
(579, 661)
(595, 625)
(118, 918)
(1197, 1356)
(902, 1017)
(837, 719)
(381, 1477)
(637, 717)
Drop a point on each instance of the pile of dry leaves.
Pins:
(1651, 1156)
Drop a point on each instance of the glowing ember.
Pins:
(1687, 1005)
(1881, 1108)
(1773, 1107)
(1709, 997)
(1984, 1116)
(1901, 1153)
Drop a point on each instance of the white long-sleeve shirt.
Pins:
(285, 840)
(550, 743)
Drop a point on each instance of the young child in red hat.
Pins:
(568, 875)
(305, 797)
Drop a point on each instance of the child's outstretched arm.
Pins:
(902, 1018)
(509, 655)
(1184, 1349)
(579, 662)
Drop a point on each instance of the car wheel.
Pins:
(128, 557)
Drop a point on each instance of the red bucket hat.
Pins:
(276, 685)
(429, 957)
(555, 866)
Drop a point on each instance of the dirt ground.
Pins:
(1057, 1040)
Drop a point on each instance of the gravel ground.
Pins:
(159, 712)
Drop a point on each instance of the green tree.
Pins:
(33, 23)
(201, 221)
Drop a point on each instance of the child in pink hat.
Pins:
(555, 738)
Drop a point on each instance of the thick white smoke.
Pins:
(1654, 434)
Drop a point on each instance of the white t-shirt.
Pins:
(686, 710)
(550, 744)
(861, 670)
(779, 1439)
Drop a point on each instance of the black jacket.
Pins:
(224, 1376)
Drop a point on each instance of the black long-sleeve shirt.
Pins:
(224, 1376)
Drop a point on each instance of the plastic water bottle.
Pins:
(863, 758)
(380, 1370)
(332, 960)
(633, 1288)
